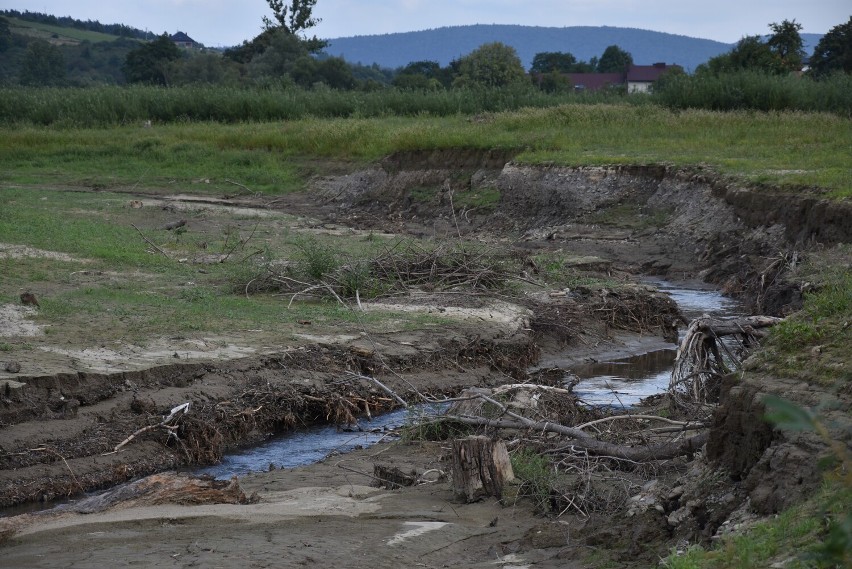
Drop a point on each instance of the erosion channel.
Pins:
(551, 278)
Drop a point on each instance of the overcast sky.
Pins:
(229, 22)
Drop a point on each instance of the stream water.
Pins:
(623, 382)
(618, 382)
(315, 443)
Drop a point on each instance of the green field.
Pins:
(56, 33)
(777, 150)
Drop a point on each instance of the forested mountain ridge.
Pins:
(448, 43)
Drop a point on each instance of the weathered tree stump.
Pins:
(480, 468)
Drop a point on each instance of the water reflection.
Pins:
(624, 382)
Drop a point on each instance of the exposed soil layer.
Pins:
(59, 430)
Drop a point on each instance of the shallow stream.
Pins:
(623, 382)
(617, 382)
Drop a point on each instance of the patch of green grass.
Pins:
(485, 198)
(421, 428)
(536, 475)
(629, 216)
(800, 537)
(814, 342)
(423, 194)
(557, 269)
(47, 31)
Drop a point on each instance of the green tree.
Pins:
(279, 57)
(614, 60)
(553, 82)
(419, 75)
(335, 73)
(547, 61)
(490, 65)
(43, 65)
(749, 53)
(834, 51)
(786, 44)
(295, 18)
(247, 51)
(149, 62)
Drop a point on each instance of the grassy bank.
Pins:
(781, 149)
(100, 281)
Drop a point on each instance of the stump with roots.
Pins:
(702, 359)
(480, 468)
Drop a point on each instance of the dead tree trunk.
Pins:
(480, 468)
(702, 359)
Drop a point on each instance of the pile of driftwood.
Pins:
(711, 349)
(401, 268)
(590, 449)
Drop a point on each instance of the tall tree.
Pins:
(614, 60)
(749, 53)
(786, 44)
(834, 51)
(490, 65)
(43, 65)
(295, 19)
(149, 62)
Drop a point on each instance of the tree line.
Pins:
(282, 55)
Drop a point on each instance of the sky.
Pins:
(228, 22)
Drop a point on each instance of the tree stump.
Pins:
(480, 468)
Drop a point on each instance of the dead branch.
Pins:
(662, 451)
(151, 243)
(175, 415)
(381, 385)
(245, 189)
(644, 417)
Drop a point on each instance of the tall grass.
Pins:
(112, 105)
(772, 148)
(753, 90)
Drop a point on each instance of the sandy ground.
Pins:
(325, 514)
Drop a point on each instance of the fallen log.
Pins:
(747, 325)
(593, 446)
(166, 488)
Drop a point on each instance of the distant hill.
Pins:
(446, 44)
(66, 26)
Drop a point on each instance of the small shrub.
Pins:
(315, 259)
(536, 475)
